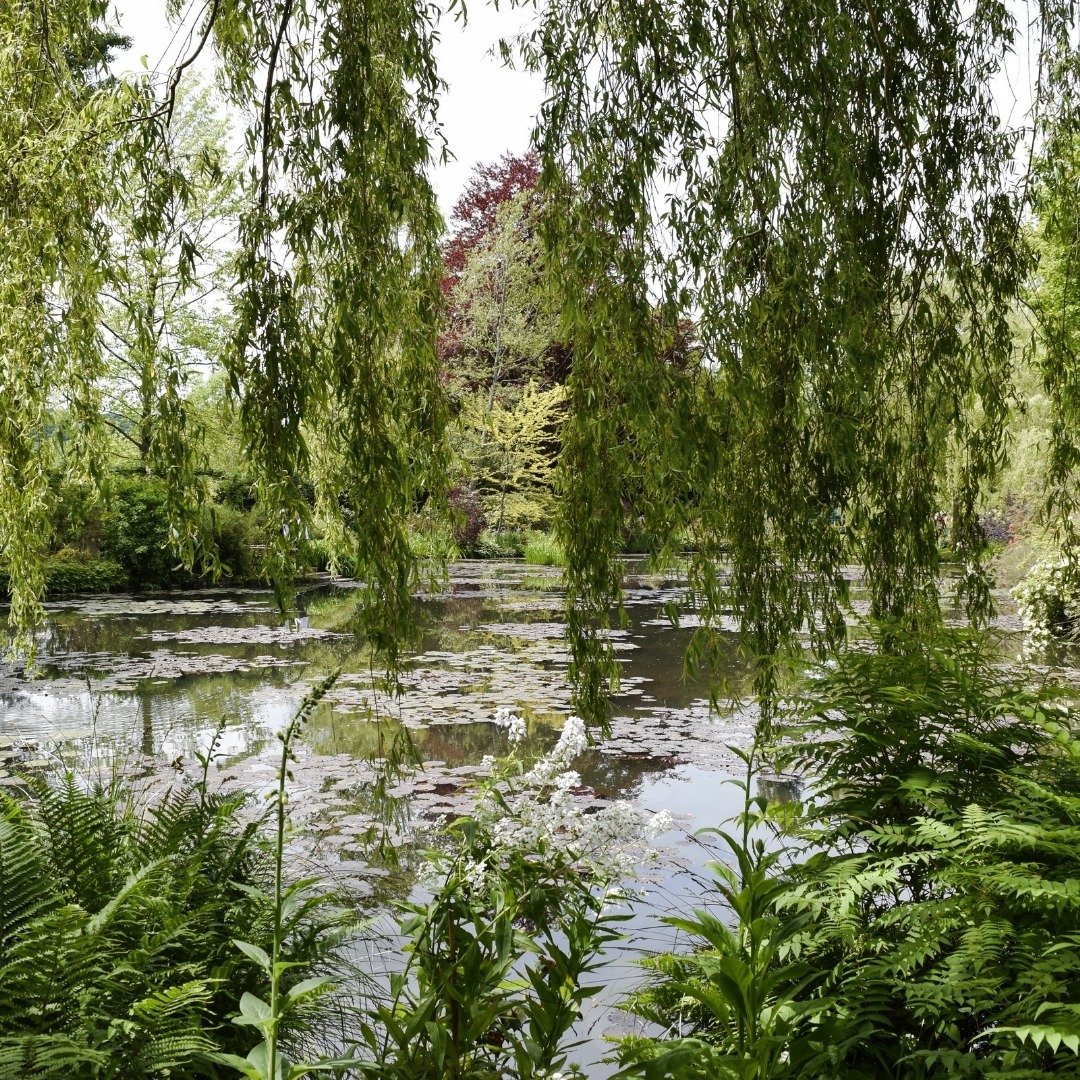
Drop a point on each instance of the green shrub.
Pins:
(1048, 601)
(237, 544)
(542, 549)
(236, 490)
(925, 918)
(135, 531)
(72, 570)
(117, 930)
(500, 545)
(427, 541)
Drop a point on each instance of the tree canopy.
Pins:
(825, 192)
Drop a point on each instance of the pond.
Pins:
(142, 683)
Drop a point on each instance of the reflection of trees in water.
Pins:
(660, 658)
(617, 778)
(331, 731)
(125, 634)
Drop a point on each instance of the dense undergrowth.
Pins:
(918, 915)
(117, 928)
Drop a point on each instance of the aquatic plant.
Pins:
(543, 549)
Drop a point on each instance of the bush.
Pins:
(996, 528)
(236, 544)
(117, 930)
(70, 570)
(135, 532)
(431, 541)
(1048, 601)
(500, 545)
(469, 519)
(236, 490)
(934, 929)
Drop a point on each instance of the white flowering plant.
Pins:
(1048, 602)
(520, 913)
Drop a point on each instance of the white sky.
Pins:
(489, 109)
(486, 111)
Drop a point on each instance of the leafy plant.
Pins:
(294, 907)
(115, 949)
(943, 892)
(117, 923)
(543, 549)
(517, 919)
(501, 545)
(730, 1006)
(1048, 602)
(932, 929)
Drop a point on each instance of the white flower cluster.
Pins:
(1047, 599)
(516, 728)
(545, 816)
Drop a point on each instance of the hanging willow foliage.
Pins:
(334, 362)
(821, 189)
(826, 190)
(54, 181)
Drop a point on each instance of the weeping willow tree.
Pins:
(827, 191)
(823, 190)
(54, 184)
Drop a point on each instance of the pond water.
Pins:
(142, 683)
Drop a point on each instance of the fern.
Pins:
(116, 931)
(941, 899)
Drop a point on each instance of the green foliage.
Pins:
(294, 908)
(117, 932)
(1048, 602)
(739, 992)
(502, 324)
(495, 965)
(115, 953)
(509, 452)
(543, 549)
(934, 921)
(944, 892)
(55, 164)
(1053, 303)
(501, 545)
(332, 363)
(852, 299)
(71, 570)
(135, 531)
(174, 205)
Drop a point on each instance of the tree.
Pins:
(164, 315)
(475, 214)
(829, 191)
(172, 223)
(825, 191)
(56, 179)
(511, 450)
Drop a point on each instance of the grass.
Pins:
(542, 549)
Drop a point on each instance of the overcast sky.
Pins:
(486, 111)
(489, 109)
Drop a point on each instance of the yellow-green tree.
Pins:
(511, 451)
